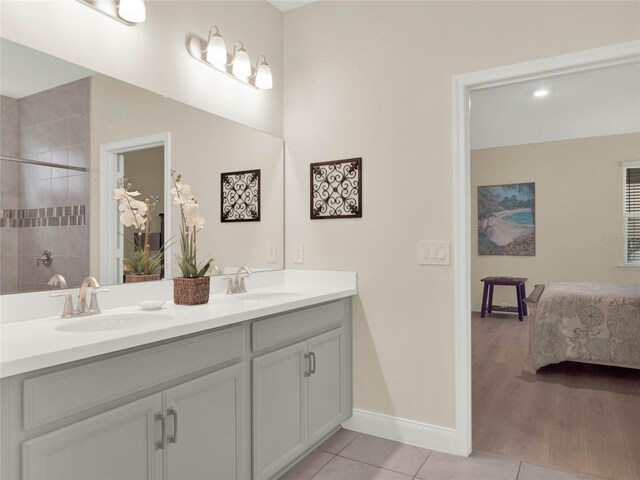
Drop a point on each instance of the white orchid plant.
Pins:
(136, 214)
(191, 222)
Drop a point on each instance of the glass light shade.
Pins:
(132, 10)
(263, 77)
(217, 51)
(241, 64)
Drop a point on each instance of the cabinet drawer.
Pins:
(57, 395)
(270, 332)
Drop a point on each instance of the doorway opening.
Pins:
(145, 163)
(464, 85)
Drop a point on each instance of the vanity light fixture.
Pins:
(240, 63)
(216, 49)
(263, 78)
(213, 53)
(132, 10)
(128, 12)
(541, 92)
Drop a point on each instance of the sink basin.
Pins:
(107, 323)
(265, 296)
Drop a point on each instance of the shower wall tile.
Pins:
(59, 133)
(9, 113)
(60, 191)
(8, 241)
(77, 129)
(8, 142)
(27, 114)
(54, 128)
(60, 155)
(78, 156)
(78, 190)
(77, 269)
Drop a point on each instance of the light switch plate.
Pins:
(433, 252)
(298, 253)
(272, 253)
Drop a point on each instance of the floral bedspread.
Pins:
(596, 322)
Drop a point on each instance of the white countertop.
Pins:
(29, 345)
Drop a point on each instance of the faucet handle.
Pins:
(242, 288)
(67, 311)
(231, 286)
(94, 308)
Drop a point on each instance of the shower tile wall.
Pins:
(8, 194)
(53, 127)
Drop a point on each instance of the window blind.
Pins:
(632, 213)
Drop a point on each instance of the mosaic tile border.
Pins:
(66, 216)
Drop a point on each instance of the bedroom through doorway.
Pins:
(555, 171)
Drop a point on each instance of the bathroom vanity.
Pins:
(239, 388)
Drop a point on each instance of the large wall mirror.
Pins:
(70, 136)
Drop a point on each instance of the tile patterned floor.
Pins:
(349, 455)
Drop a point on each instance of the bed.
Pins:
(584, 322)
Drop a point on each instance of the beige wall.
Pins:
(374, 79)
(578, 211)
(153, 54)
(202, 146)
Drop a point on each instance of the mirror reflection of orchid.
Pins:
(136, 214)
(191, 222)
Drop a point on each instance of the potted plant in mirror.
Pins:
(192, 288)
(142, 265)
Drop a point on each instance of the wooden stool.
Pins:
(487, 295)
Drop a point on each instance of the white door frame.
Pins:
(110, 244)
(612, 55)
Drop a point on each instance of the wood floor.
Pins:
(576, 417)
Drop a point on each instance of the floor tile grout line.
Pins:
(352, 440)
(315, 474)
(421, 466)
(382, 468)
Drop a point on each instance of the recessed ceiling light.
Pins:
(542, 92)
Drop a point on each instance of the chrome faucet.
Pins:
(237, 285)
(69, 311)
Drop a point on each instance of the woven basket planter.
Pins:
(141, 278)
(191, 291)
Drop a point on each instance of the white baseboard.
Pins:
(476, 307)
(441, 439)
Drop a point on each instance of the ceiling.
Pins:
(587, 104)
(21, 70)
(286, 5)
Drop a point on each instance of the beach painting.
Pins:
(506, 220)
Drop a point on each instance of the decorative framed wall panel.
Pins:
(240, 196)
(336, 189)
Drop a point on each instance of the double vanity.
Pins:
(239, 388)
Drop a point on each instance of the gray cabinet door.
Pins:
(206, 434)
(328, 402)
(279, 409)
(116, 445)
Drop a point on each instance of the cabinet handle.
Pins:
(160, 417)
(173, 438)
(313, 360)
(307, 373)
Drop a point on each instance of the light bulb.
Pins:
(132, 10)
(264, 80)
(217, 50)
(543, 92)
(241, 64)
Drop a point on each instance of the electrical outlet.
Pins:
(272, 253)
(298, 253)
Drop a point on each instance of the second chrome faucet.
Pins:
(237, 285)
